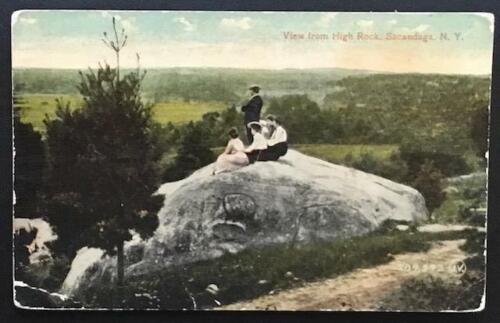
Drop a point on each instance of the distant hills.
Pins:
(191, 83)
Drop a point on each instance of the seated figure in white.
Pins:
(277, 143)
(259, 144)
(233, 156)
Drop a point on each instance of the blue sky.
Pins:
(71, 39)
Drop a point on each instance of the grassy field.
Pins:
(338, 153)
(36, 106)
(182, 112)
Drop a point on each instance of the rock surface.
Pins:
(295, 200)
(26, 296)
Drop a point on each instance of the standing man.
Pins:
(252, 110)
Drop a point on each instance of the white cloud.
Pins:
(188, 26)
(418, 29)
(365, 23)
(421, 28)
(392, 22)
(325, 19)
(244, 23)
(28, 21)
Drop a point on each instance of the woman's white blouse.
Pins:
(279, 135)
(259, 143)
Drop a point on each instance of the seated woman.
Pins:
(277, 144)
(258, 145)
(233, 156)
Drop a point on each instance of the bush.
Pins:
(193, 153)
(450, 162)
(48, 274)
(465, 201)
(393, 168)
(429, 183)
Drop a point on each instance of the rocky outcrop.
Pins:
(26, 296)
(297, 199)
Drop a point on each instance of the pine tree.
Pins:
(103, 160)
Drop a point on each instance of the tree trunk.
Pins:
(119, 264)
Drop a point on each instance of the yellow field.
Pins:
(182, 112)
(36, 106)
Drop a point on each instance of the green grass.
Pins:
(237, 275)
(338, 153)
(181, 112)
(36, 106)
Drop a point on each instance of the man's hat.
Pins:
(254, 87)
(255, 124)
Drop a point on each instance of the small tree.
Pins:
(429, 183)
(103, 159)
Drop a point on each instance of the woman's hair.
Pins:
(255, 126)
(273, 118)
(233, 132)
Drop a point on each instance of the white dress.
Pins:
(232, 158)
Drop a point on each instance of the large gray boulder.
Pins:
(294, 200)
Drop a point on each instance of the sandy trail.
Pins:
(361, 289)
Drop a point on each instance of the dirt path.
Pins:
(363, 288)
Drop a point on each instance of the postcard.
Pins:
(245, 160)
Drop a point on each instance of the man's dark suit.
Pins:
(252, 113)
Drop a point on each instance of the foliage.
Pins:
(479, 129)
(193, 152)
(393, 167)
(48, 274)
(429, 183)
(465, 200)
(303, 119)
(388, 108)
(103, 164)
(415, 151)
(226, 85)
(29, 162)
(193, 142)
